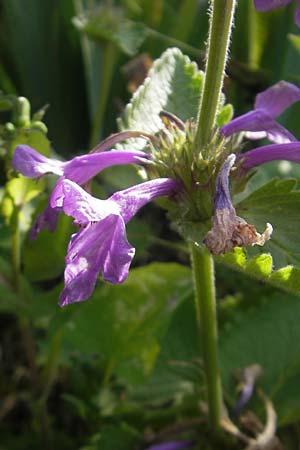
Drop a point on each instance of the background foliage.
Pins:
(122, 370)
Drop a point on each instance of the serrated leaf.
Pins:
(237, 258)
(173, 84)
(261, 268)
(287, 277)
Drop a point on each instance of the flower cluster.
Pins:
(100, 245)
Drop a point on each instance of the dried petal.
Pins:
(228, 230)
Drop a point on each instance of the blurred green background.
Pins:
(122, 371)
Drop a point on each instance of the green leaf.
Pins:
(21, 190)
(173, 84)
(18, 193)
(277, 202)
(225, 115)
(9, 300)
(178, 364)
(265, 332)
(268, 336)
(34, 138)
(123, 323)
(112, 437)
(44, 257)
(261, 268)
(295, 41)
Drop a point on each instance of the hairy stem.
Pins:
(218, 42)
(205, 303)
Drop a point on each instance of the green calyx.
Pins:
(173, 155)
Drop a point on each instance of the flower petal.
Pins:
(276, 99)
(100, 247)
(32, 164)
(260, 122)
(228, 230)
(258, 125)
(267, 153)
(172, 445)
(267, 5)
(80, 205)
(82, 168)
(113, 139)
(76, 202)
(132, 199)
(222, 198)
(297, 13)
(47, 219)
(79, 169)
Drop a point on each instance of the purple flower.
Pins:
(172, 445)
(101, 244)
(267, 153)
(79, 169)
(260, 122)
(267, 5)
(229, 230)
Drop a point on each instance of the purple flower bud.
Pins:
(172, 445)
(228, 230)
(260, 122)
(268, 5)
(250, 375)
(101, 244)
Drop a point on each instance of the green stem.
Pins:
(218, 42)
(205, 302)
(108, 63)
